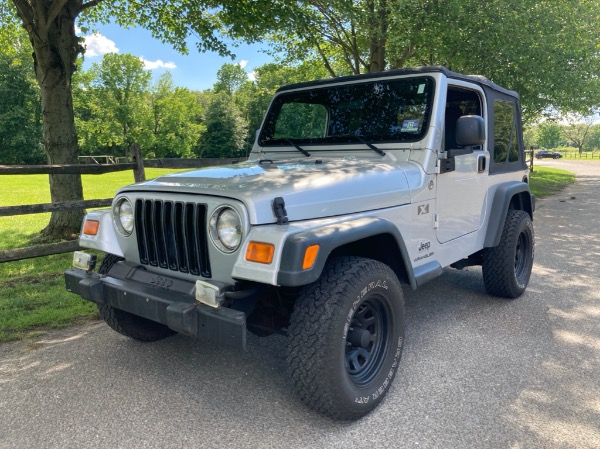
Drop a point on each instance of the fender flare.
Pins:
(503, 197)
(329, 238)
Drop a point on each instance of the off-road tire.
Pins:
(126, 323)
(507, 267)
(346, 337)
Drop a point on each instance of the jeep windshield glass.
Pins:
(375, 111)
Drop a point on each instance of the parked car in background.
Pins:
(548, 154)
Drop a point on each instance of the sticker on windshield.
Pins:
(410, 126)
(421, 88)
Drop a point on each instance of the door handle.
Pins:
(481, 163)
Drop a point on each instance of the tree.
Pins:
(577, 130)
(177, 119)
(20, 110)
(593, 141)
(121, 84)
(545, 50)
(50, 25)
(549, 135)
(226, 129)
(112, 104)
(230, 77)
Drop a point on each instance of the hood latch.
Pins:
(279, 210)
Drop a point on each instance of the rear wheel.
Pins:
(507, 267)
(346, 338)
(126, 323)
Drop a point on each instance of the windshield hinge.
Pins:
(279, 210)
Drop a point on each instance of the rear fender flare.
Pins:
(513, 193)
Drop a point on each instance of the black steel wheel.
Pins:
(367, 340)
(507, 267)
(346, 337)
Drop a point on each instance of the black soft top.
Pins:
(482, 81)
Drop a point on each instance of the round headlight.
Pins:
(123, 215)
(225, 228)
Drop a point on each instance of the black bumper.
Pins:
(176, 307)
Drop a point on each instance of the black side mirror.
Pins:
(470, 131)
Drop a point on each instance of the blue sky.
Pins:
(195, 70)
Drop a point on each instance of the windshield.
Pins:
(377, 111)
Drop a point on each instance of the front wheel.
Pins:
(507, 267)
(346, 338)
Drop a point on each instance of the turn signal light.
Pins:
(91, 227)
(310, 256)
(260, 252)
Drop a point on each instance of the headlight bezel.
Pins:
(216, 236)
(117, 210)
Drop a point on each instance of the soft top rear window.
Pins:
(395, 110)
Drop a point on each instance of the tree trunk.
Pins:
(378, 11)
(55, 49)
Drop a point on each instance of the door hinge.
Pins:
(447, 165)
(436, 221)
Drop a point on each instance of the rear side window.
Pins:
(506, 148)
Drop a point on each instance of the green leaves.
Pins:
(546, 50)
(111, 106)
(226, 129)
(20, 110)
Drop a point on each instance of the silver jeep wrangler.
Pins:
(355, 187)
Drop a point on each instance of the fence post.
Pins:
(531, 158)
(139, 175)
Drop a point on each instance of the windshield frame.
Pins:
(267, 136)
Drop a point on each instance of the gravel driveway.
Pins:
(477, 372)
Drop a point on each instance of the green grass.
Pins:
(32, 292)
(17, 231)
(547, 181)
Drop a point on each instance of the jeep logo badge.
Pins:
(424, 246)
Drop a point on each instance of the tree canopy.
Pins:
(50, 26)
(548, 51)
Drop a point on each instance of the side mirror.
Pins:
(470, 131)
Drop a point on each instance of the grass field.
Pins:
(548, 181)
(32, 292)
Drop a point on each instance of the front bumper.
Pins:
(134, 290)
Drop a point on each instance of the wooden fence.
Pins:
(137, 166)
(582, 155)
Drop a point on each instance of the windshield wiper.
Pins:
(295, 145)
(370, 145)
(359, 138)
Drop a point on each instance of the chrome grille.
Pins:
(172, 235)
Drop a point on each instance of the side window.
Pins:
(301, 121)
(459, 102)
(506, 147)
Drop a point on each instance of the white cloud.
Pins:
(243, 63)
(98, 45)
(252, 76)
(158, 64)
